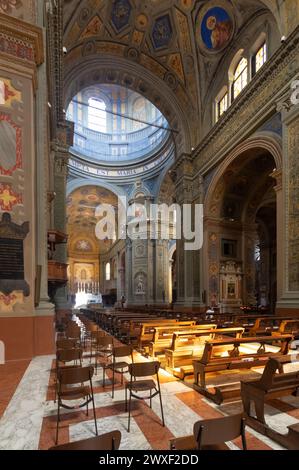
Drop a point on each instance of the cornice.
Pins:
(259, 96)
(16, 30)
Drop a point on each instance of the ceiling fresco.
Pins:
(81, 206)
(181, 41)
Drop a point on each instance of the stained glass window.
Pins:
(97, 116)
(240, 77)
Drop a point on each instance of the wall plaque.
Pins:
(12, 256)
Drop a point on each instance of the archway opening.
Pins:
(242, 234)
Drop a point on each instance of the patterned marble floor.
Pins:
(28, 420)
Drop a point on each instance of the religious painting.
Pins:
(121, 12)
(231, 290)
(216, 28)
(162, 32)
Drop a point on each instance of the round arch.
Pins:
(264, 140)
(91, 69)
(81, 182)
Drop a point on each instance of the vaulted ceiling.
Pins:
(173, 40)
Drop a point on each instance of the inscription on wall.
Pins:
(11, 259)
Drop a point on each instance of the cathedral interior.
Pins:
(149, 224)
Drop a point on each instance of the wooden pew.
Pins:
(186, 345)
(266, 325)
(269, 386)
(288, 327)
(146, 332)
(140, 331)
(163, 335)
(242, 353)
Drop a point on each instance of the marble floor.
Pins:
(28, 412)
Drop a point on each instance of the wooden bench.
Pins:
(288, 327)
(143, 331)
(163, 335)
(266, 325)
(243, 353)
(186, 345)
(271, 385)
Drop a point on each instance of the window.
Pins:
(108, 272)
(259, 59)
(240, 78)
(97, 117)
(222, 106)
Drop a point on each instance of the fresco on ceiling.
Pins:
(216, 29)
(162, 32)
(7, 6)
(83, 245)
(121, 12)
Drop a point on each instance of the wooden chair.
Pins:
(66, 344)
(121, 367)
(211, 434)
(109, 441)
(143, 369)
(104, 347)
(67, 391)
(64, 357)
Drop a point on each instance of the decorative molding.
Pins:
(257, 101)
(21, 40)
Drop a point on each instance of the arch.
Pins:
(81, 182)
(104, 68)
(264, 140)
(171, 251)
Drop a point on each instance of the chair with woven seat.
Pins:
(120, 367)
(212, 434)
(142, 370)
(108, 441)
(71, 387)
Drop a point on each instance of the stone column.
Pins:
(249, 268)
(288, 225)
(188, 191)
(42, 181)
(60, 159)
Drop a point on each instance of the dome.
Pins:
(114, 125)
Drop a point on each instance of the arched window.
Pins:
(108, 272)
(97, 116)
(139, 113)
(240, 78)
(259, 58)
